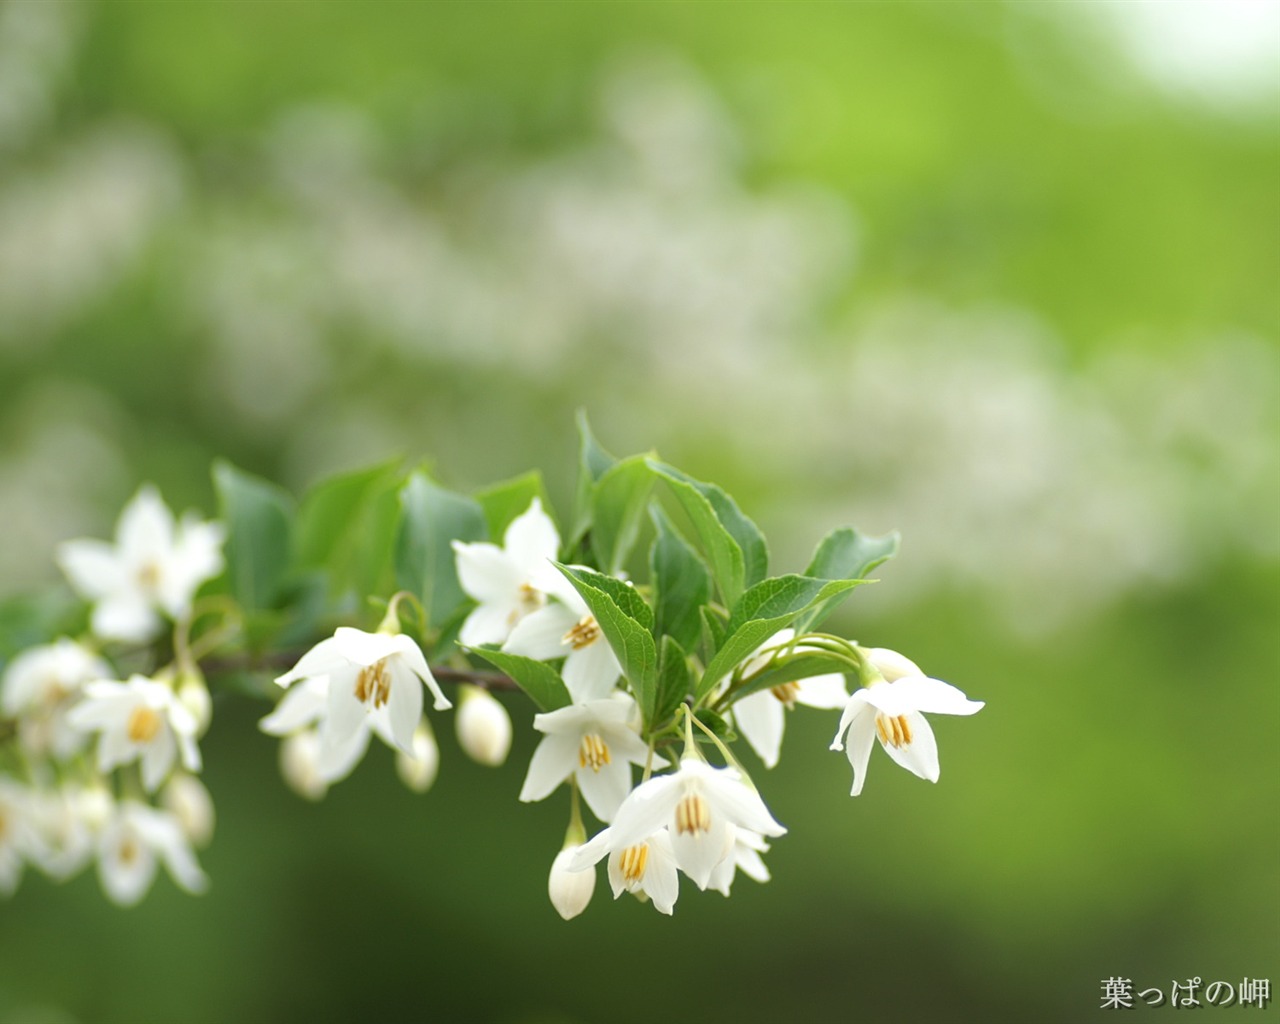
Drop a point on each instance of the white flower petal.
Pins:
(604, 790)
(760, 717)
(300, 706)
(540, 634)
(862, 737)
(486, 573)
(936, 697)
(827, 692)
(412, 657)
(489, 624)
(650, 806)
(553, 761)
(698, 853)
(335, 762)
(363, 649)
(590, 672)
(324, 658)
(531, 539)
(92, 567)
(126, 617)
(145, 530)
(404, 704)
(920, 756)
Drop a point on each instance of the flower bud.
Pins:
(419, 772)
(186, 798)
(890, 664)
(484, 727)
(193, 695)
(570, 891)
(300, 764)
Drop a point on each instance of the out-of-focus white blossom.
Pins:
(483, 726)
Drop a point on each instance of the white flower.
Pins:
(700, 806)
(646, 867)
(483, 727)
(891, 710)
(596, 741)
(510, 581)
(41, 685)
(370, 675)
(565, 628)
(570, 891)
(129, 847)
(760, 717)
(298, 718)
(418, 772)
(66, 819)
(744, 857)
(138, 720)
(155, 565)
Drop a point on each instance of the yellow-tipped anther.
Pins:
(632, 861)
(593, 752)
(787, 693)
(587, 631)
(693, 814)
(894, 732)
(374, 684)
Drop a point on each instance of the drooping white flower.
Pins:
(700, 806)
(140, 719)
(483, 727)
(570, 891)
(298, 719)
(132, 842)
(41, 685)
(760, 717)
(744, 857)
(370, 675)
(18, 842)
(645, 867)
(891, 710)
(155, 565)
(597, 742)
(66, 819)
(510, 581)
(565, 628)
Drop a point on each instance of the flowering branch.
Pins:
(623, 650)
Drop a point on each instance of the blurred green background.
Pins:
(1003, 276)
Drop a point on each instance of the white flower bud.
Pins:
(891, 664)
(419, 772)
(193, 695)
(300, 764)
(186, 798)
(484, 727)
(570, 891)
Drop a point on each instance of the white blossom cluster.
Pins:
(103, 767)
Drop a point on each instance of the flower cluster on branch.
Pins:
(646, 631)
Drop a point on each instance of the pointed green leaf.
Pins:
(844, 554)
(346, 526)
(617, 507)
(674, 683)
(431, 518)
(767, 607)
(713, 631)
(593, 463)
(681, 581)
(539, 680)
(504, 501)
(626, 622)
(259, 519)
(728, 565)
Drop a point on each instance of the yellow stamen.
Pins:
(587, 631)
(143, 724)
(128, 851)
(374, 684)
(531, 599)
(632, 861)
(593, 752)
(149, 576)
(693, 814)
(894, 732)
(787, 693)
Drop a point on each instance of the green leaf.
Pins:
(259, 520)
(623, 594)
(346, 526)
(674, 683)
(767, 607)
(713, 631)
(801, 665)
(617, 507)
(431, 518)
(844, 554)
(504, 501)
(593, 463)
(536, 678)
(626, 622)
(734, 544)
(681, 580)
